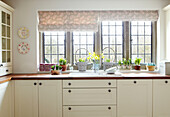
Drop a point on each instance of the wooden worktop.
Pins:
(66, 77)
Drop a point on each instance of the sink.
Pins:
(85, 74)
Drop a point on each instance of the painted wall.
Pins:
(25, 14)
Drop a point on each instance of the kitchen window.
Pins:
(81, 42)
(54, 46)
(112, 37)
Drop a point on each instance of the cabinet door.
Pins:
(26, 98)
(50, 98)
(161, 98)
(89, 96)
(5, 100)
(134, 98)
(89, 111)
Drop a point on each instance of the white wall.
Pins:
(25, 14)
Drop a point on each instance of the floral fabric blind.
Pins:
(88, 20)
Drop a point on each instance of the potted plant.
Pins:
(124, 63)
(119, 64)
(82, 64)
(129, 64)
(56, 70)
(151, 66)
(107, 64)
(63, 63)
(137, 63)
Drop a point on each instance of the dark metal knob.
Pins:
(40, 83)
(69, 108)
(1, 65)
(69, 91)
(166, 81)
(7, 70)
(109, 83)
(109, 108)
(109, 90)
(69, 83)
(135, 82)
(35, 83)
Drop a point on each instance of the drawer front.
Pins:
(5, 70)
(89, 96)
(89, 111)
(88, 83)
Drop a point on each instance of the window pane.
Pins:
(141, 44)
(83, 40)
(54, 45)
(113, 39)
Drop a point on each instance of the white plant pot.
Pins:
(82, 66)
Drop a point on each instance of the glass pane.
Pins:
(133, 57)
(147, 39)
(140, 30)
(105, 23)
(147, 30)
(141, 49)
(119, 57)
(61, 33)
(112, 23)
(134, 49)
(47, 39)
(140, 22)
(8, 56)
(118, 30)
(8, 44)
(54, 40)
(90, 39)
(112, 30)
(105, 30)
(76, 47)
(118, 22)
(119, 49)
(4, 30)
(47, 59)
(147, 22)
(142, 56)
(134, 39)
(134, 23)
(60, 39)
(47, 33)
(54, 59)
(90, 49)
(105, 40)
(54, 49)
(76, 39)
(147, 58)
(3, 43)
(112, 40)
(119, 40)
(141, 39)
(113, 47)
(61, 49)
(3, 17)
(47, 50)
(134, 30)
(4, 57)
(8, 19)
(112, 58)
(147, 49)
(8, 32)
(83, 39)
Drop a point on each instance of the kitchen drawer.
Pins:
(5, 70)
(89, 111)
(89, 96)
(88, 83)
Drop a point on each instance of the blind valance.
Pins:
(88, 20)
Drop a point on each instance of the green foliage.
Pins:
(81, 60)
(124, 61)
(53, 67)
(62, 61)
(58, 67)
(120, 62)
(151, 64)
(137, 61)
(108, 60)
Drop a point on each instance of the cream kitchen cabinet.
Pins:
(134, 98)
(38, 98)
(6, 100)
(161, 98)
(5, 38)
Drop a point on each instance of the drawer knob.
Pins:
(40, 83)
(109, 90)
(35, 83)
(1, 65)
(109, 83)
(69, 108)
(135, 82)
(109, 108)
(7, 70)
(69, 91)
(69, 84)
(166, 81)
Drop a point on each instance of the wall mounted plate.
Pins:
(23, 33)
(23, 48)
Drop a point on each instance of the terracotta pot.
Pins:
(64, 67)
(151, 68)
(137, 67)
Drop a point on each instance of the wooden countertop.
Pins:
(66, 77)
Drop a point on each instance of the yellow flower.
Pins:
(89, 53)
(88, 58)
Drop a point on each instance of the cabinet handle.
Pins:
(7, 70)
(69, 108)
(69, 91)
(166, 81)
(40, 83)
(109, 90)
(1, 65)
(69, 83)
(35, 83)
(109, 108)
(135, 82)
(109, 83)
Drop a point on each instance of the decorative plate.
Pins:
(23, 48)
(23, 33)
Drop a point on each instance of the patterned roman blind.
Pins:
(88, 20)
